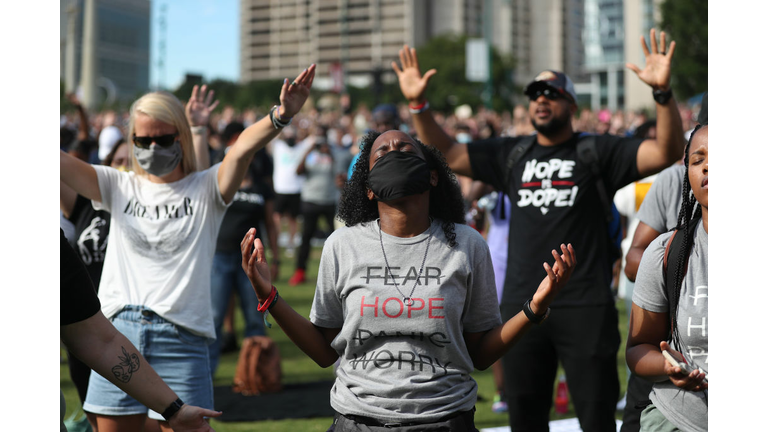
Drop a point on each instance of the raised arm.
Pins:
(198, 110)
(98, 344)
(83, 129)
(67, 199)
(644, 235)
(314, 341)
(487, 347)
(235, 163)
(655, 155)
(413, 86)
(79, 175)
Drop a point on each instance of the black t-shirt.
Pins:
(555, 200)
(78, 296)
(91, 232)
(247, 210)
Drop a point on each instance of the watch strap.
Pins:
(662, 96)
(532, 317)
(172, 409)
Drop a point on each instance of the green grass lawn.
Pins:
(297, 367)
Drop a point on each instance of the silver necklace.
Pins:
(408, 300)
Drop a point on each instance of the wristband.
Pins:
(418, 109)
(662, 96)
(532, 317)
(268, 302)
(274, 301)
(172, 409)
(277, 121)
(198, 130)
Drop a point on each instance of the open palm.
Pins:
(294, 94)
(200, 106)
(657, 70)
(412, 83)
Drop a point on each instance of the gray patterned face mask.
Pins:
(157, 160)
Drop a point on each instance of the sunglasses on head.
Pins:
(162, 140)
(548, 93)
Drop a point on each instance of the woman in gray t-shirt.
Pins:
(679, 399)
(405, 298)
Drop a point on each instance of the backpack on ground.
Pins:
(258, 368)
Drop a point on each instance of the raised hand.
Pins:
(255, 264)
(294, 94)
(200, 106)
(191, 418)
(693, 381)
(73, 99)
(412, 83)
(657, 62)
(557, 277)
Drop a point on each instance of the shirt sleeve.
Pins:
(108, 181)
(650, 291)
(487, 159)
(327, 310)
(78, 300)
(618, 160)
(653, 209)
(481, 311)
(212, 186)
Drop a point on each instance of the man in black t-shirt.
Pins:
(555, 199)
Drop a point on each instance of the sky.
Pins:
(201, 37)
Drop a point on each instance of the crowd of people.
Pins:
(435, 224)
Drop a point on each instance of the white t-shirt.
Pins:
(108, 137)
(161, 244)
(286, 159)
(627, 201)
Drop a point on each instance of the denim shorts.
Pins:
(178, 356)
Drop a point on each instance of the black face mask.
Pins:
(398, 174)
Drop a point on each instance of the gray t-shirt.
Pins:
(402, 363)
(319, 187)
(686, 410)
(661, 205)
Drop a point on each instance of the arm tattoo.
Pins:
(129, 363)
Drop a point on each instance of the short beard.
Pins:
(552, 127)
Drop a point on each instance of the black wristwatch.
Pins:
(662, 96)
(532, 317)
(172, 409)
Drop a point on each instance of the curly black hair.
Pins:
(445, 200)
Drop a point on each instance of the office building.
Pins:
(348, 39)
(105, 49)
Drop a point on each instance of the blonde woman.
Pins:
(155, 286)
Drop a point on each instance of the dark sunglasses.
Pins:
(548, 93)
(162, 140)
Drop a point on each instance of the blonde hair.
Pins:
(164, 107)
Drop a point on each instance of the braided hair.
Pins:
(689, 210)
(445, 200)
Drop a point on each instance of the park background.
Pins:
(32, 349)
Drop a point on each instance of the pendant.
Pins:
(408, 301)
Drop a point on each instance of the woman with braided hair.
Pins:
(674, 319)
(405, 296)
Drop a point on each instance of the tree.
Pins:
(685, 21)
